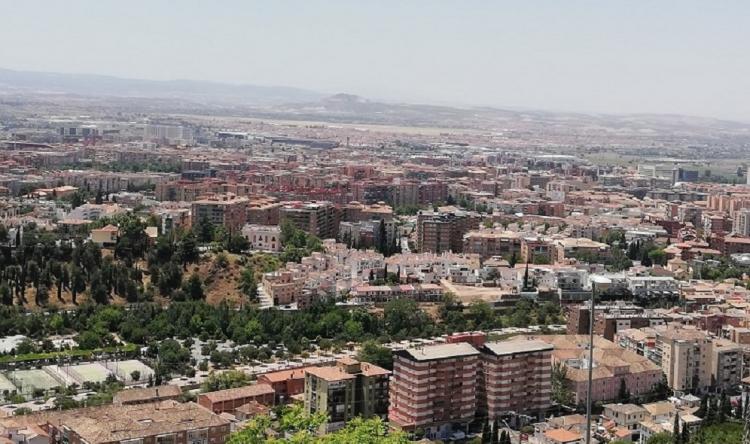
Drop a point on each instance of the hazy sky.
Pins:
(682, 56)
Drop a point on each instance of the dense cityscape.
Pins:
(189, 262)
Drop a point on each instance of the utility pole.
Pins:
(746, 416)
(591, 362)
(594, 280)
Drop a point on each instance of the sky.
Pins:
(604, 56)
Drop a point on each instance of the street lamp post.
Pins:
(594, 280)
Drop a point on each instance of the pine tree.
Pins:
(495, 431)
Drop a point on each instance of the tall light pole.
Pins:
(594, 280)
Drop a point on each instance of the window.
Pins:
(166, 439)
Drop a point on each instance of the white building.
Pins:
(652, 286)
(263, 237)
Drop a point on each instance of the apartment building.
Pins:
(491, 243)
(683, 355)
(346, 390)
(166, 422)
(285, 286)
(443, 231)
(580, 248)
(320, 219)
(263, 211)
(433, 388)
(221, 210)
(611, 318)
(515, 376)
(537, 250)
(726, 363)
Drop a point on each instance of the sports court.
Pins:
(91, 373)
(123, 370)
(5, 384)
(29, 380)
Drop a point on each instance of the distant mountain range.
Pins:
(192, 90)
(197, 97)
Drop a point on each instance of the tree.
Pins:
(225, 380)
(77, 282)
(561, 393)
(403, 317)
(204, 230)
(623, 394)
(658, 256)
(486, 433)
(685, 438)
(495, 431)
(237, 243)
(135, 375)
(676, 435)
(193, 288)
(513, 259)
(382, 239)
(187, 250)
(660, 438)
(295, 426)
(711, 412)
(42, 295)
(724, 408)
(377, 354)
(481, 315)
(248, 284)
(6, 295)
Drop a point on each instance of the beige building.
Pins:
(346, 390)
(692, 359)
(626, 415)
(105, 236)
(684, 355)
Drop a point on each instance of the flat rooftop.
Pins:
(500, 348)
(440, 351)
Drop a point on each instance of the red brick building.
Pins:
(433, 388)
(228, 400)
(516, 376)
(285, 383)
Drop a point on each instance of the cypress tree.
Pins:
(676, 436)
(486, 433)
